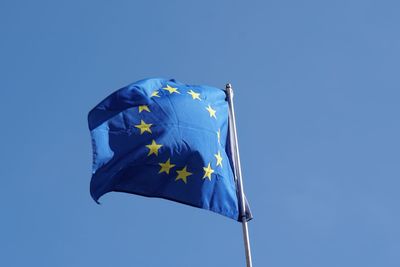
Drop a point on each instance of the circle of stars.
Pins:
(154, 147)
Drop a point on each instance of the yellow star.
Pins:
(219, 158)
(155, 94)
(183, 174)
(171, 89)
(219, 136)
(154, 147)
(144, 107)
(165, 167)
(144, 127)
(207, 172)
(194, 95)
(211, 111)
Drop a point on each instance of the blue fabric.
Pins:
(185, 124)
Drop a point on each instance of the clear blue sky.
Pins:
(317, 97)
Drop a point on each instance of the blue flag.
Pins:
(161, 138)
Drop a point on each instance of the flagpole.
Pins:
(238, 172)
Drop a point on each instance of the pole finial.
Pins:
(229, 90)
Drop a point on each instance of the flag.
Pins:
(162, 138)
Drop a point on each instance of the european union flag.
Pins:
(161, 138)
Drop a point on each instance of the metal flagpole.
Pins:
(238, 173)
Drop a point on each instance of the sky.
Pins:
(317, 91)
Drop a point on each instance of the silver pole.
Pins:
(238, 173)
